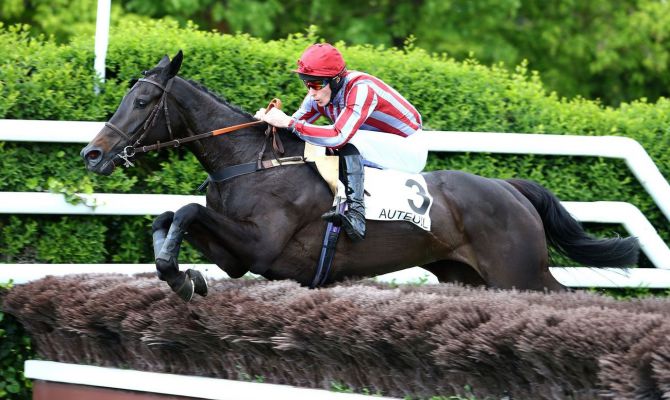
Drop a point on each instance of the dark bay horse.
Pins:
(484, 231)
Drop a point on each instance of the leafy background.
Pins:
(614, 50)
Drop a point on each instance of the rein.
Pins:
(179, 142)
(130, 151)
(205, 135)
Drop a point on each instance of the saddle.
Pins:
(328, 166)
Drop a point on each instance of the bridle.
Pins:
(131, 150)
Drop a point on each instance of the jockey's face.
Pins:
(321, 96)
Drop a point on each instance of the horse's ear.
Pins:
(175, 64)
(164, 62)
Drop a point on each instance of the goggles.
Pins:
(316, 84)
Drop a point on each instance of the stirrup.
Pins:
(333, 216)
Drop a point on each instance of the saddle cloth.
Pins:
(397, 196)
(390, 195)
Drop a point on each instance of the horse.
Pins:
(485, 231)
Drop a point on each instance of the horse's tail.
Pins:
(567, 235)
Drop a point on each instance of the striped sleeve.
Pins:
(308, 111)
(359, 104)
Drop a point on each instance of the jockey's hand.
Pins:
(260, 114)
(276, 117)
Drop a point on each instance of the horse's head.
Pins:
(140, 119)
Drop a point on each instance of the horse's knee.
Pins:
(163, 221)
(186, 214)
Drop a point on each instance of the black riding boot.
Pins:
(353, 220)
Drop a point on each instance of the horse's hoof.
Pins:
(182, 286)
(199, 281)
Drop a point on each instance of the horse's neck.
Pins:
(203, 112)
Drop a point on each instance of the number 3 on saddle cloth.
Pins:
(389, 196)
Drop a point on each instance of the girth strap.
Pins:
(234, 171)
(327, 252)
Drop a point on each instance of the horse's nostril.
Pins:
(93, 155)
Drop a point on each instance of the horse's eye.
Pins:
(140, 103)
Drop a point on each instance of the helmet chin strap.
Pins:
(336, 84)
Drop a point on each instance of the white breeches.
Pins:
(407, 154)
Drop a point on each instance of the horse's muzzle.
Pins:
(94, 158)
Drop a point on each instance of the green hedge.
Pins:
(15, 348)
(42, 80)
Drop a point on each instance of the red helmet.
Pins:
(322, 60)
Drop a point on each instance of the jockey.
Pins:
(353, 100)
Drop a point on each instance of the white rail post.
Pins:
(101, 38)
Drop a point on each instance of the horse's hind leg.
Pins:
(455, 271)
(522, 264)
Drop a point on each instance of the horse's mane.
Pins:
(216, 96)
(219, 98)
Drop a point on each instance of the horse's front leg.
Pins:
(159, 232)
(168, 232)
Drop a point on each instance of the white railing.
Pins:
(175, 385)
(603, 212)
(637, 159)
(153, 204)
